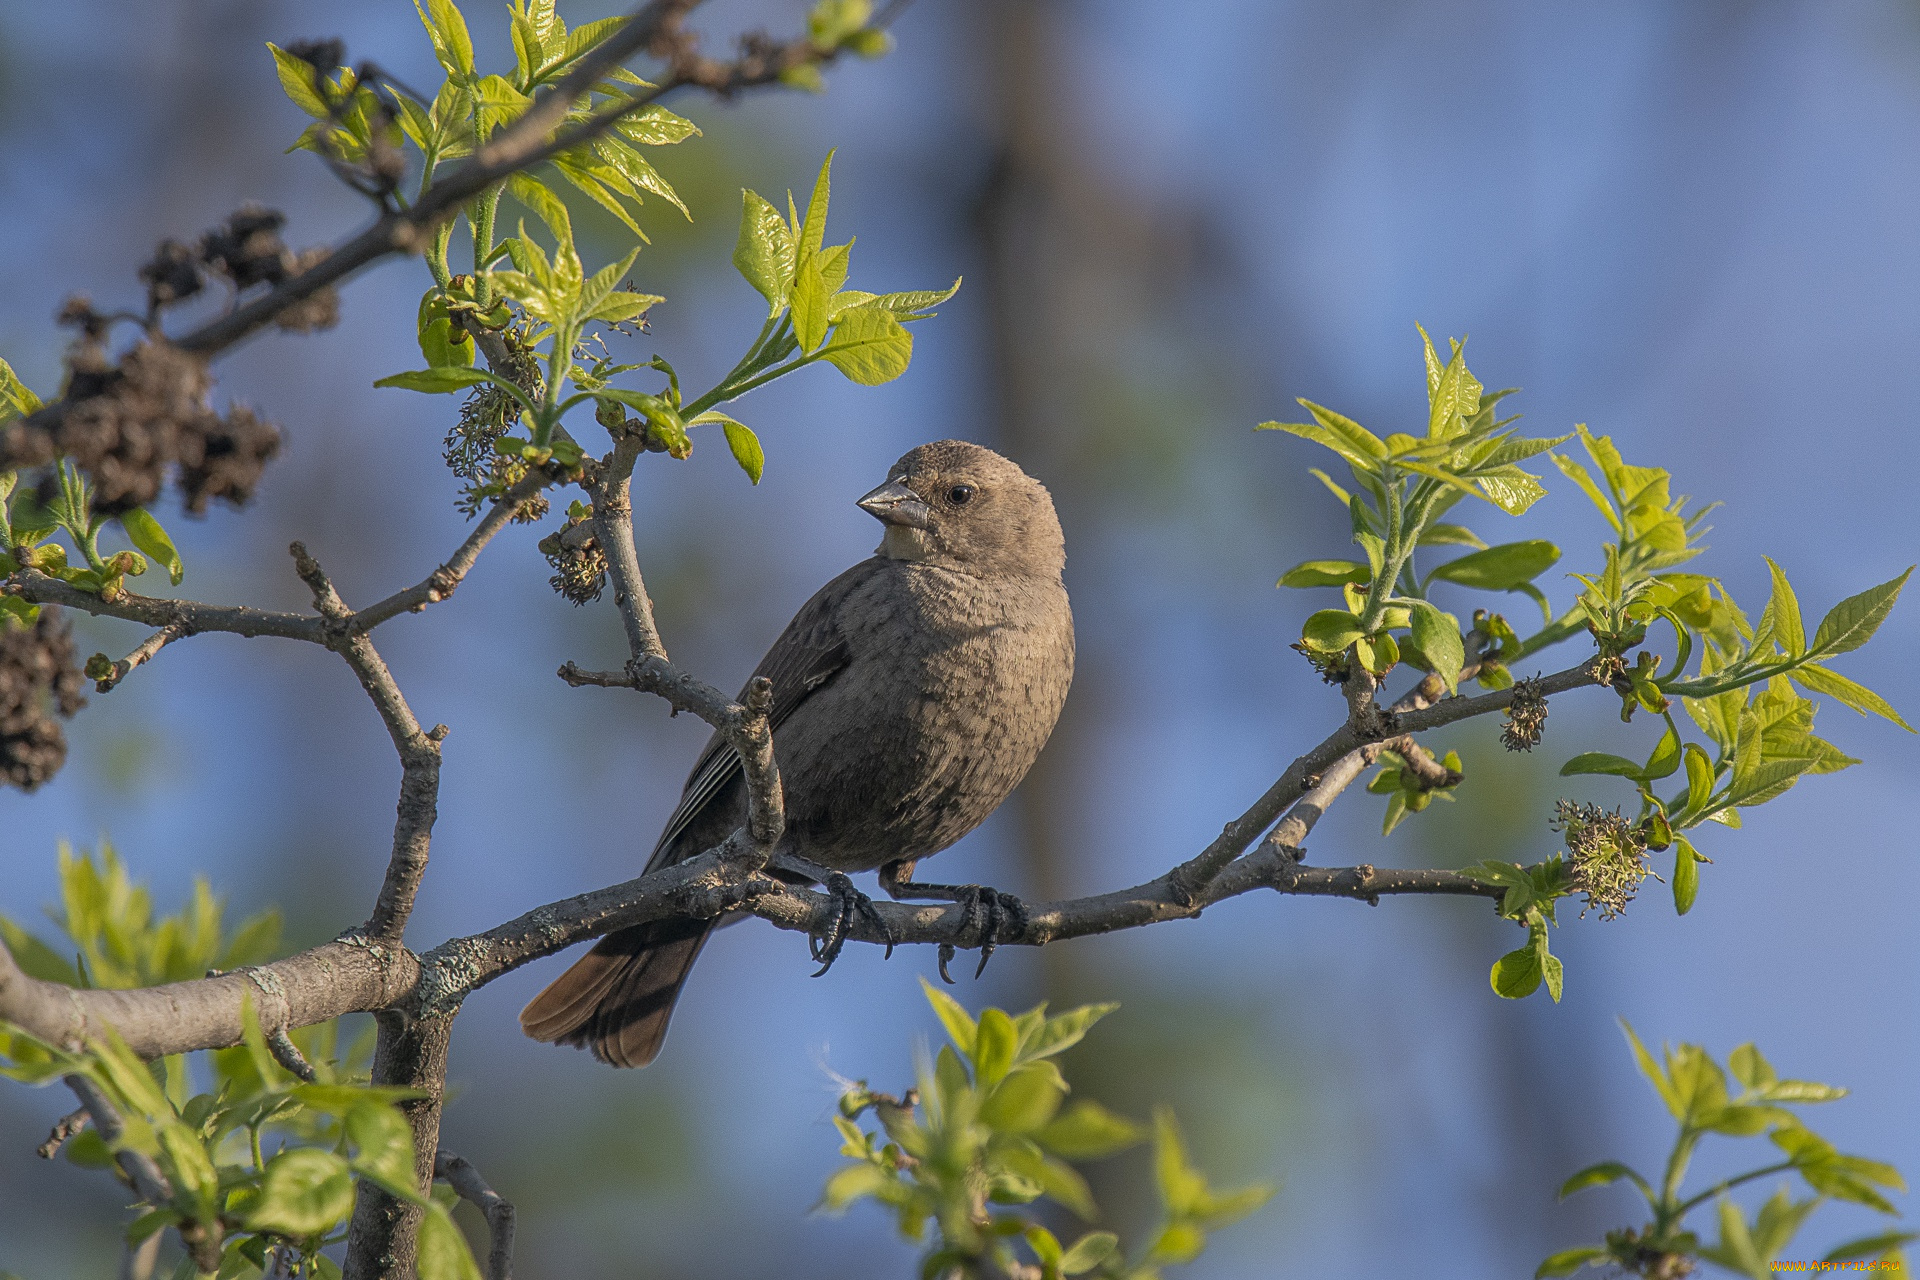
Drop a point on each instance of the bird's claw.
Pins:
(847, 902)
(990, 911)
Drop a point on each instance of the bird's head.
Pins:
(963, 507)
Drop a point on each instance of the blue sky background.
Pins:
(1688, 226)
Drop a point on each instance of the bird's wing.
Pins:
(808, 654)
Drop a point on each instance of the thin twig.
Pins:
(1190, 878)
(419, 750)
(65, 1127)
(287, 1054)
(144, 652)
(459, 1173)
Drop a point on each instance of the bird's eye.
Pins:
(959, 493)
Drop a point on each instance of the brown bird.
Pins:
(910, 695)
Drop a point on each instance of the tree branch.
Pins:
(441, 583)
(65, 1127)
(419, 750)
(1190, 878)
(351, 974)
(144, 652)
(411, 1052)
(460, 1174)
(654, 27)
(358, 974)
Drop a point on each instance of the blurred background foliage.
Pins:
(1689, 226)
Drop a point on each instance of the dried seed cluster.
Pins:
(39, 681)
(125, 426)
(247, 250)
(580, 566)
(1607, 855)
(1526, 716)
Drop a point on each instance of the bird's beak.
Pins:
(894, 503)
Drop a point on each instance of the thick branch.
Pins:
(348, 975)
(460, 1174)
(354, 974)
(410, 1052)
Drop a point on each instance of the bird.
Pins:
(911, 694)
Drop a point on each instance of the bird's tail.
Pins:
(617, 999)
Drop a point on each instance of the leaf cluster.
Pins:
(1743, 684)
(1696, 1092)
(31, 516)
(986, 1132)
(260, 1162)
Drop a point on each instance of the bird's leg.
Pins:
(846, 901)
(987, 907)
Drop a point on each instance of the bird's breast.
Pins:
(953, 688)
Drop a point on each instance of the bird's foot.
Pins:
(989, 910)
(847, 902)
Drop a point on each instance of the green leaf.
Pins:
(959, 1024)
(1818, 679)
(764, 252)
(811, 299)
(1603, 1174)
(305, 1192)
(1452, 396)
(1736, 1245)
(1568, 1261)
(383, 1147)
(446, 378)
(1502, 568)
(832, 21)
(1686, 875)
(1438, 636)
(1600, 762)
(813, 231)
(913, 304)
(1450, 535)
(1516, 974)
(1088, 1131)
(1870, 1246)
(1088, 1252)
(1700, 776)
(15, 399)
(1330, 630)
(296, 79)
(869, 345)
(993, 1047)
(35, 958)
(1651, 1069)
(1785, 608)
(1026, 1100)
(146, 534)
(1750, 1067)
(1852, 622)
(443, 1249)
(447, 30)
(1324, 573)
(1062, 1031)
(1510, 489)
(741, 440)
